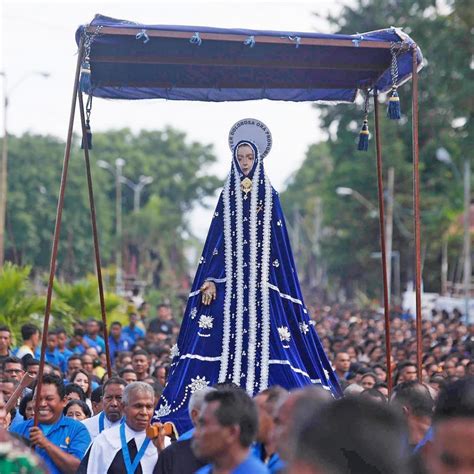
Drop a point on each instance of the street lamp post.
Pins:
(344, 191)
(137, 188)
(4, 163)
(467, 238)
(443, 155)
(117, 172)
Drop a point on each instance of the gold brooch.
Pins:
(246, 185)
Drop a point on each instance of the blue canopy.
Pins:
(134, 61)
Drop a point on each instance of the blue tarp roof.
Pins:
(136, 61)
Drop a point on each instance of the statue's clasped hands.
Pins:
(208, 291)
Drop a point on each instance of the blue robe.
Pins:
(257, 333)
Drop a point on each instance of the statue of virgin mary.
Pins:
(245, 320)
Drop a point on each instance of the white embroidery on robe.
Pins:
(174, 351)
(164, 410)
(285, 336)
(198, 384)
(205, 322)
(304, 328)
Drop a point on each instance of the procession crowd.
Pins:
(89, 422)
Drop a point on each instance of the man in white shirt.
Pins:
(112, 408)
(125, 448)
(31, 340)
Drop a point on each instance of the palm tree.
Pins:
(18, 304)
(81, 301)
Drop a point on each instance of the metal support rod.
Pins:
(467, 238)
(95, 234)
(57, 230)
(389, 228)
(416, 210)
(118, 224)
(3, 172)
(386, 303)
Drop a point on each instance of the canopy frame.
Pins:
(172, 32)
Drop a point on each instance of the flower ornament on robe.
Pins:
(198, 384)
(285, 336)
(304, 328)
(174, 351)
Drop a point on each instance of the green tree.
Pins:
(350, 234)
(179, 169)
(18, 303)
(34, 175)
(80, 301)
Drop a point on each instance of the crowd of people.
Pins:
(355, 342)
(90, 422)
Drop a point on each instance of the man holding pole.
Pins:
(59, 440)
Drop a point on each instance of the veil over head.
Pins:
(235, 161)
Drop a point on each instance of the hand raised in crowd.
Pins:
(209, 292)
(157, 433)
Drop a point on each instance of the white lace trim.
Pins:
(216, 280)
(228, 285)
(283, 295)
(266, 251)
(297, 370)
(199, 357)
(239, 316)
(253, 233)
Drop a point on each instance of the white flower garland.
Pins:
(253, 234)
(239, 316)
(228, 284)
(267, 218)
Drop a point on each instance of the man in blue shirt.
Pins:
(265, 449)
(132, 331)
(52, 355)
(60, 441)
(117, 341)
(62, 342)
(226, 427)
(92, 338)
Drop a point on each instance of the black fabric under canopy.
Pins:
(135, 61)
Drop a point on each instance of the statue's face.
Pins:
(245, 157)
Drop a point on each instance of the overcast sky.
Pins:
(39, 36)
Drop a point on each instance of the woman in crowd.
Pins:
(27, 407)
(74, 392)
(78, 410)
(82, 378)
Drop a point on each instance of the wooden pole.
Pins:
(94, 233)
(386, 303)
(57, 230)
(416, 209)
